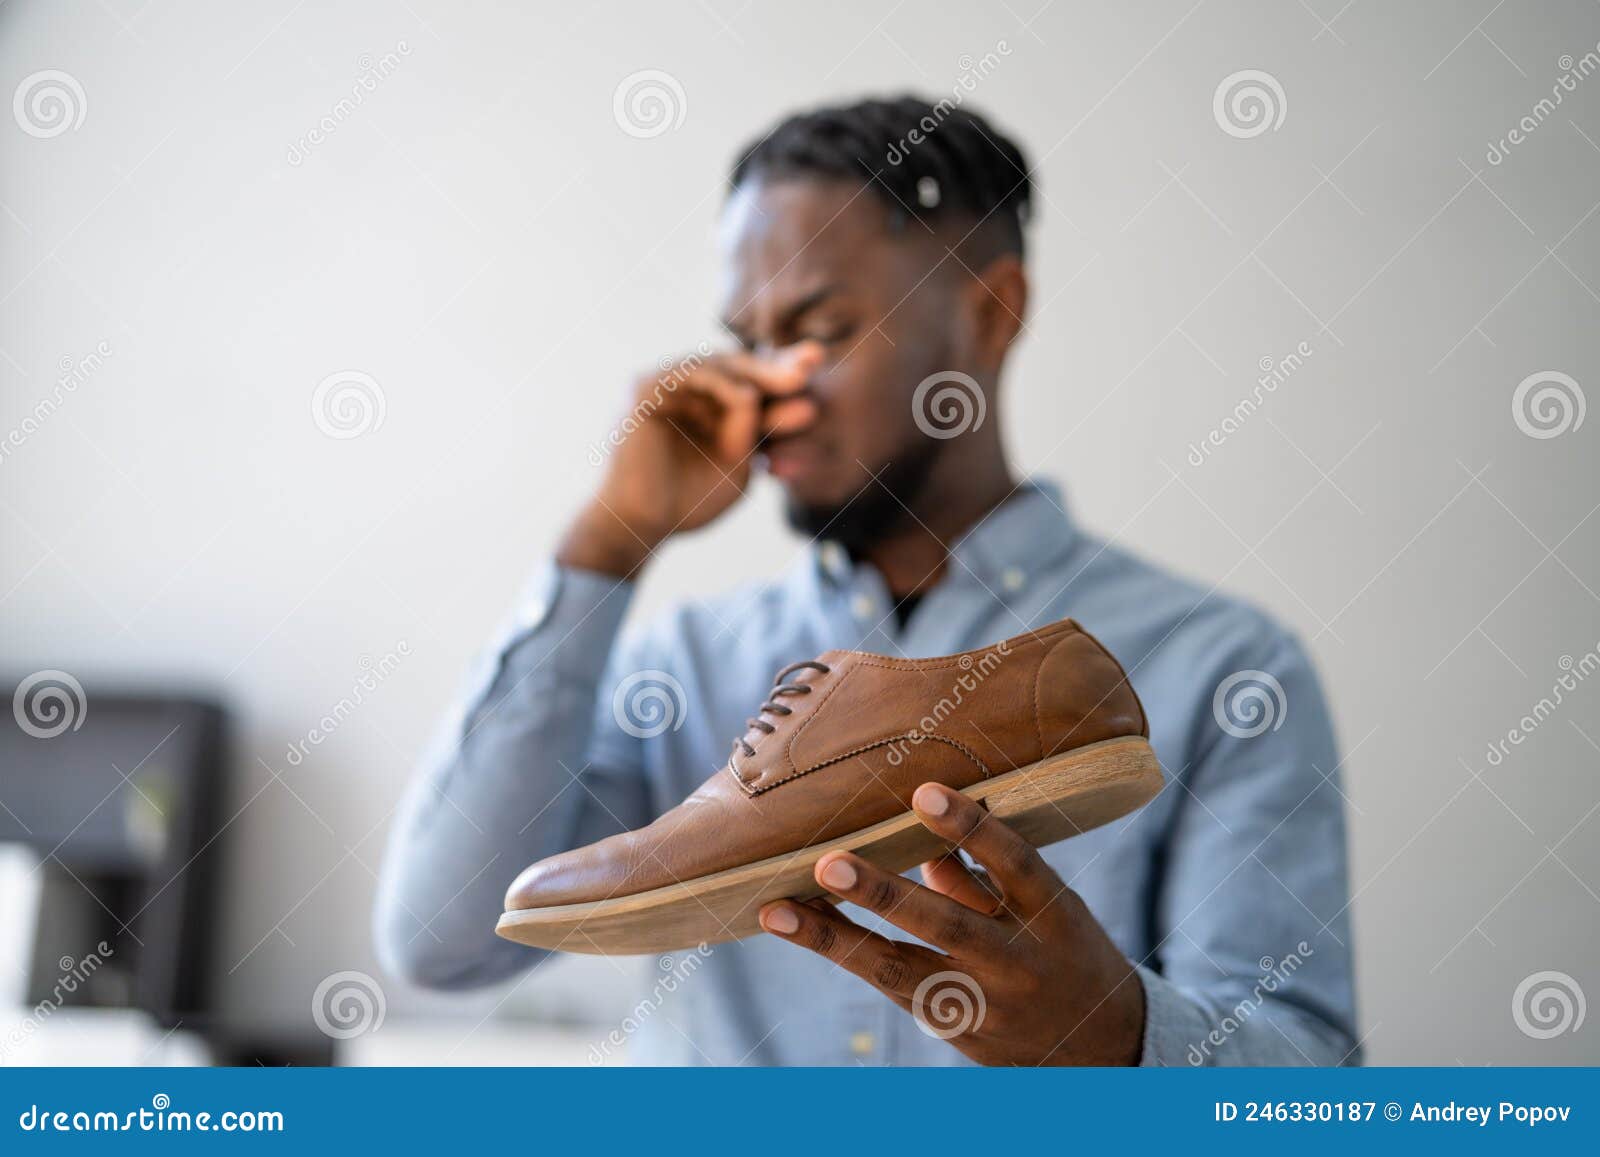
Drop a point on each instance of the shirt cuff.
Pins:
(1174, 1027)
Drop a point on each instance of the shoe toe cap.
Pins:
(597, 872)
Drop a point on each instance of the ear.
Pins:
(999, 306)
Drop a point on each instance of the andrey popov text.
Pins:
(1451, 1113)
(1448, 1113)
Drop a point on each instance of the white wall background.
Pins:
(482, 238)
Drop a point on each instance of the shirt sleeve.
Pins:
(507, 783)
(1253, 962)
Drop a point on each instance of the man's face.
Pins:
(817, 260)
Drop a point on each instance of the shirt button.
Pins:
(833, 558)
(861, 607)
(1013, 580)
(862, 1043)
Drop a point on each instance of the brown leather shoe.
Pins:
(1044, 727)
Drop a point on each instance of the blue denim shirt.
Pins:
(1228, 890)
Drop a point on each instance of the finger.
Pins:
(740, 428)
(930, 917)
(784, 372)
(1025, 880)
(788, 415)
(950, 877)
(709, 378)
(893, 968)
(737, 423)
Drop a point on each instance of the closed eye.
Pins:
(827, 334)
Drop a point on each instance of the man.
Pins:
(875, 282)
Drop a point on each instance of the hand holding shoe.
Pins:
(1032, 978)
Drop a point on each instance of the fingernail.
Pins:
(783, 921)
(931, 800)
(839, 875)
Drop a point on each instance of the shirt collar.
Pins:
(1005, 550)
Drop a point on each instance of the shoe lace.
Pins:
(780, 687)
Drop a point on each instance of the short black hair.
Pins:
(922, 158)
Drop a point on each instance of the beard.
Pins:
(882, 506)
